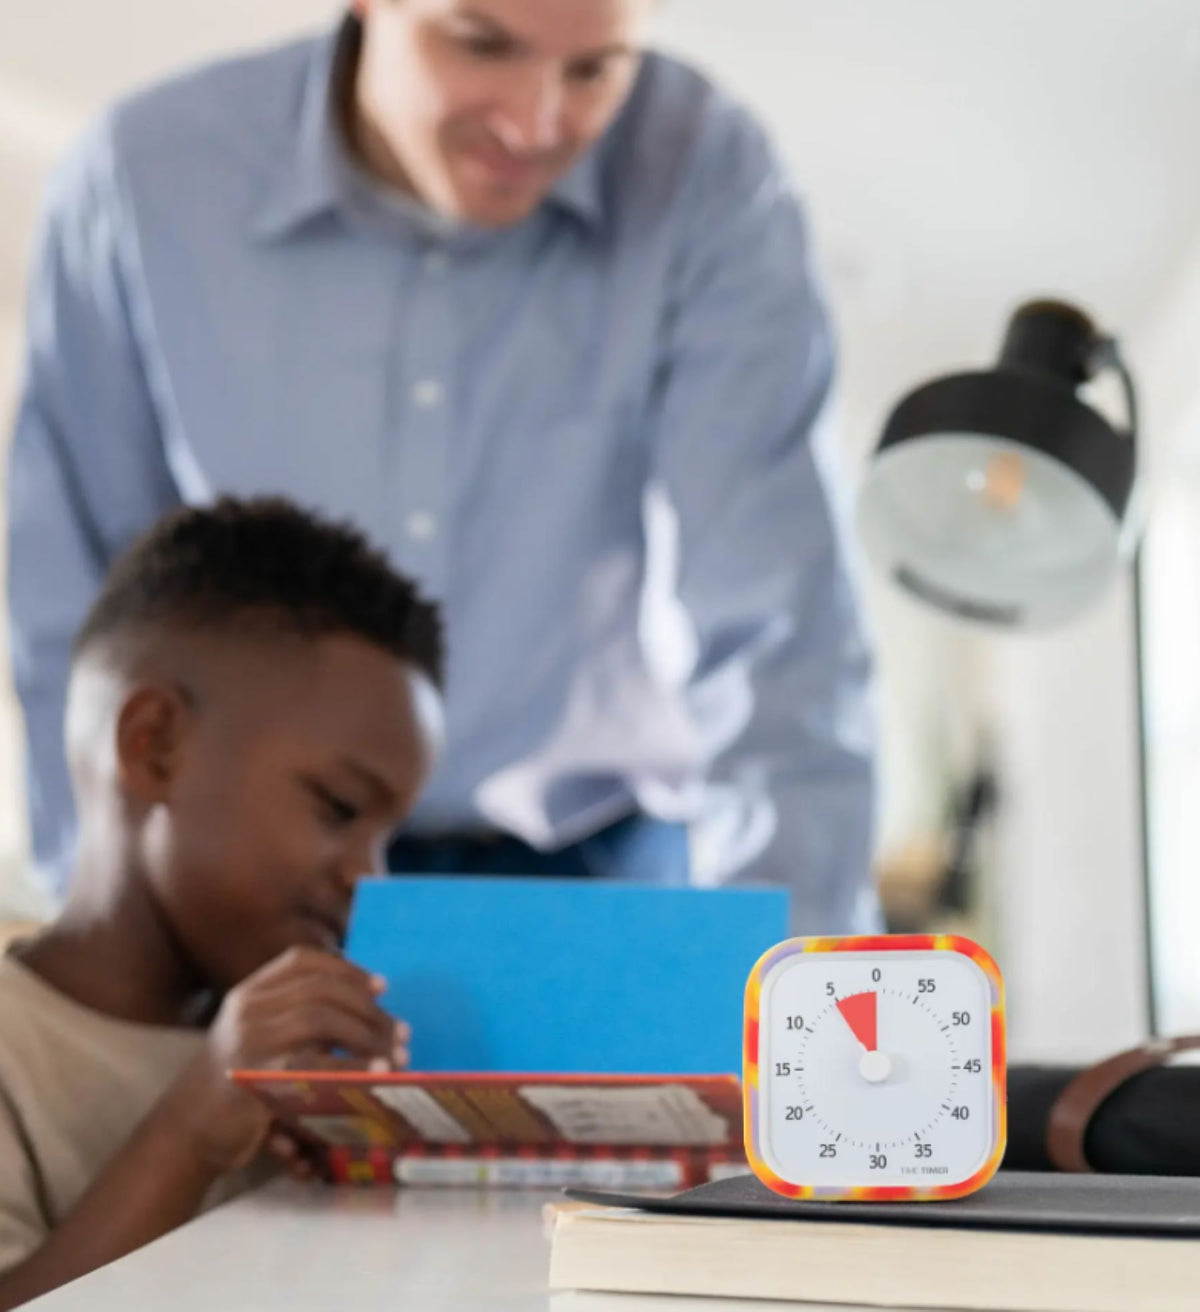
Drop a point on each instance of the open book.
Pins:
(617, 1132)
(1026, 1243)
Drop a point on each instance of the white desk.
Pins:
(315, 1249)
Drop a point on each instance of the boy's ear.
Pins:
(152, 726)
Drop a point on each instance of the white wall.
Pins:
(1169, 355)
(1068, 854)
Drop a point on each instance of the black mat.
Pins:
(1015, 1200)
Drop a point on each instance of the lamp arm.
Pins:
(1108, 354)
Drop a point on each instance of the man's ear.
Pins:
(152, 727)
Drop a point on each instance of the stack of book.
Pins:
(1027, 1243)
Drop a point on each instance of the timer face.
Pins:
(875, 1068)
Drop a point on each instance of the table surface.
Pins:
(301, 1247)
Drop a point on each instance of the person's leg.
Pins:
(639, 850)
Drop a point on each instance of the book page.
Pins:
(669, 1115)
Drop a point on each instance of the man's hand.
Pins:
(294, 1012)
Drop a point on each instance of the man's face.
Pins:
(298, 761)
(482, 105)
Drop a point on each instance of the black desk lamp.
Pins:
(1001, 496)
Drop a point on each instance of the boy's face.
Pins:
(485, 104)
(292, 766)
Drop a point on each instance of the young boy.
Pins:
(253, 709)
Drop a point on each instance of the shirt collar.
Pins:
(318, 175)
(313, 177)
(579, 191)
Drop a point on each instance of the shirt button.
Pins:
(421, 525)
(428, 393)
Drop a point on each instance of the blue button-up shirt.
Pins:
(595, 437)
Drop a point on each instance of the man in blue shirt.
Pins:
(534, 308)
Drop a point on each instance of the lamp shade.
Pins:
(1000, 496)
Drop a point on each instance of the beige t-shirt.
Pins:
(74, 1084)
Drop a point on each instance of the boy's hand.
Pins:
(295, 1010)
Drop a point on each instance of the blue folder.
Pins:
(566, 976)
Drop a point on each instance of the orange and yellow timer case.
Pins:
(875, 1068)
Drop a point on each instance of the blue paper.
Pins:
(566, 976)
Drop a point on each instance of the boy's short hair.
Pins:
(216, 567)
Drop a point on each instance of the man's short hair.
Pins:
(265, 560)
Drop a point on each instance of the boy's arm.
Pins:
(155, 1183)
(204, 1127)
